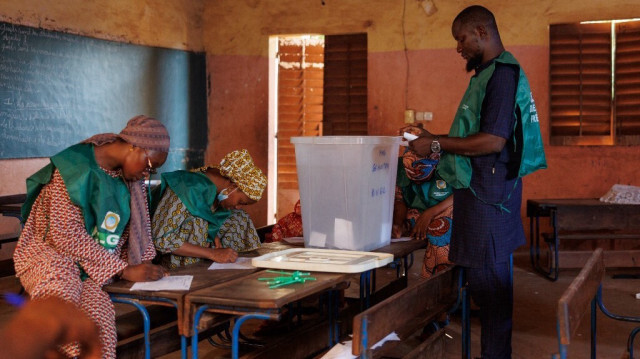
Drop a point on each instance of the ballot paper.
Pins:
(174, 282)
(343, 350)
(240, 263)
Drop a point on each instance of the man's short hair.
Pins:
(477, 15)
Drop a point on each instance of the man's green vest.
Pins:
(104, 200)
(456, 169)
(197, 193)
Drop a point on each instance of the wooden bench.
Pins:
(406, 313)
(582, 296)
(579, 220)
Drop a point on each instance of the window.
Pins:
(594, 83)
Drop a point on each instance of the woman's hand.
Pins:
(144, 272)
(223, 255)
(422, 225)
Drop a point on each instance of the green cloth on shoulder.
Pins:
(197, 193)
(104, 200)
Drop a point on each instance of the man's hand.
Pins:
(422, 144)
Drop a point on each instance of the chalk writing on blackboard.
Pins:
(57, 89)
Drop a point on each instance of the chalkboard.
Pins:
(56, 89)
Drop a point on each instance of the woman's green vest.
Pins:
(104, 200)
(424, 195)
(456, 169)
(197, 193)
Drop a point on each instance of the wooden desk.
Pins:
(202, 278)
(584, 218)
(403, 259)
(250, 298)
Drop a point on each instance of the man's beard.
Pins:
(474, 62)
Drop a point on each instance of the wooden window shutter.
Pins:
(627, 83)
(300, 89)
(345, 85)
(580, 84)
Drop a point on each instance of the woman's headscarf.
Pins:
(149, 134)
(238, 167)
(419, 169)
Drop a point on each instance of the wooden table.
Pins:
(202, 277)
(403, 260)
(582, 219)
(249, 298)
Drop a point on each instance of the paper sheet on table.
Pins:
(241, 263)
(173, 282)
(401, 239)
(343, 350)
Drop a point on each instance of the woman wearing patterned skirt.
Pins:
(87, 221)
(423, 208)
(198, 213)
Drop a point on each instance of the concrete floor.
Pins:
(534, 332)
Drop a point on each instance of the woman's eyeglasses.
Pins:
(149, 168)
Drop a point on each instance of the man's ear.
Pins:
(482, 31)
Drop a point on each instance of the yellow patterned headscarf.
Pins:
(238, 166)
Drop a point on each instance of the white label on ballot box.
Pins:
(323, 260)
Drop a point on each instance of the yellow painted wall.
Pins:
(241, 27)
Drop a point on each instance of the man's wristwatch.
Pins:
(435, 145)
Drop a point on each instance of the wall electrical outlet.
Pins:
(424, 116)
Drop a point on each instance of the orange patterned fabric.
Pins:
(52, 244)
(435, 259)
(288, 226)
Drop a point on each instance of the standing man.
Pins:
(494, 140)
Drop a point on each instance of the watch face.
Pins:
(435, 146)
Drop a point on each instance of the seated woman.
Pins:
(287, 226)
(87, 222)
(197, 213)
(423, 208)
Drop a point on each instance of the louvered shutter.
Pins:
(580, 84)
(627, 83)
(345, 85)
(300, 88)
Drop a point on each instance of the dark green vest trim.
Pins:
(197, 193)
(104, 200)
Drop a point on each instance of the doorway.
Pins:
(317, 86)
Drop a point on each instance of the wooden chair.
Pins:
(582, 295)
(405, 313)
